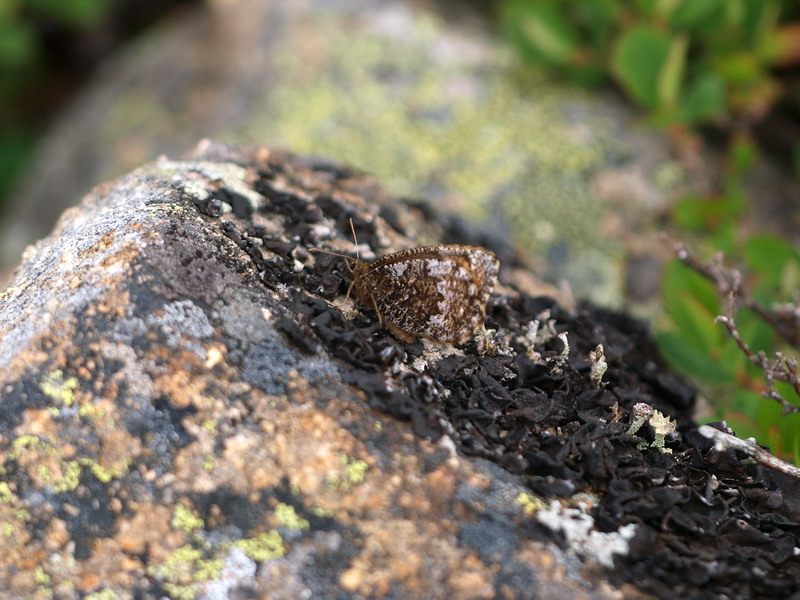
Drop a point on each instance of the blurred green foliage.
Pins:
(23, 62)
(693, 342)
(690, 63)
(687, 62)
(21, 20)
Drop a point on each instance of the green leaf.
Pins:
(770, 417)
(75, 13)
(695, 13)
(670, 77)
(9, 11)
(638, 63)
(648, 8)
(735, 361)
(743, 425)
(16, 146)
(705, 99)
(690, 359)
(18, 45)
(742, 154)
(773, 260)
(680, 279)
(747, 402)
(543, 32)
(758, 335)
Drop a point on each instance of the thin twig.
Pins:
(729, 285)
(723, 441)
(784, 322)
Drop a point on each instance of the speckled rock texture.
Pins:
(191, 409)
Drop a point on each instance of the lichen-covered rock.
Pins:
(419, 92)
(190, 409)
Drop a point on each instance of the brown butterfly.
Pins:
(438, 292)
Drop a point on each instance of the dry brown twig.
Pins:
(785, 322)
(723, 440)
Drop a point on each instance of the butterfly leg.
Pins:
(377, 310)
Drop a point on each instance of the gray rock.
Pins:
(166, 432)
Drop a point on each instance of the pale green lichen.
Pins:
(184, 569)
(33, 442)
(209, 461)
(354, 469)
(106, 474)
(186, 520)
(599, 366)
(288, 517)
(322, 513)
(56, 387)
(530, 504)
(210, 425)
(5, 492)
(41, 578)
(353, 473)
(71, 472)
(90, 411)
(264, 547)
(70, 478)
(662, 426)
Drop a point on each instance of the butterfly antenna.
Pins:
(355, 239)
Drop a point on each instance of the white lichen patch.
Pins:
(579, 529)
(597, 359)
(231, 176)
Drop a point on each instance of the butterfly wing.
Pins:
(439, 292)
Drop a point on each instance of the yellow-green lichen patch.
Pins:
(209, 461)
(106, 474)
(354, 469)
(40, 577)
(8, 530)
(263, 547)
(59, 389)
(70, 477)
(32, 442)
(288, 517)
(39, 457)
(353, 473)
(90, 411)
(530, 504)
(322, 513)
(184, 569)
(5, 492)
(185, 520)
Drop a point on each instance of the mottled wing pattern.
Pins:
(439, 292)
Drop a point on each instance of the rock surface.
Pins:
(190, 409)
(426, 99)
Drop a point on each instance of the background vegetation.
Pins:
(47, 49)
(701, 68)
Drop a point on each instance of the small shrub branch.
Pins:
(785, 322)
